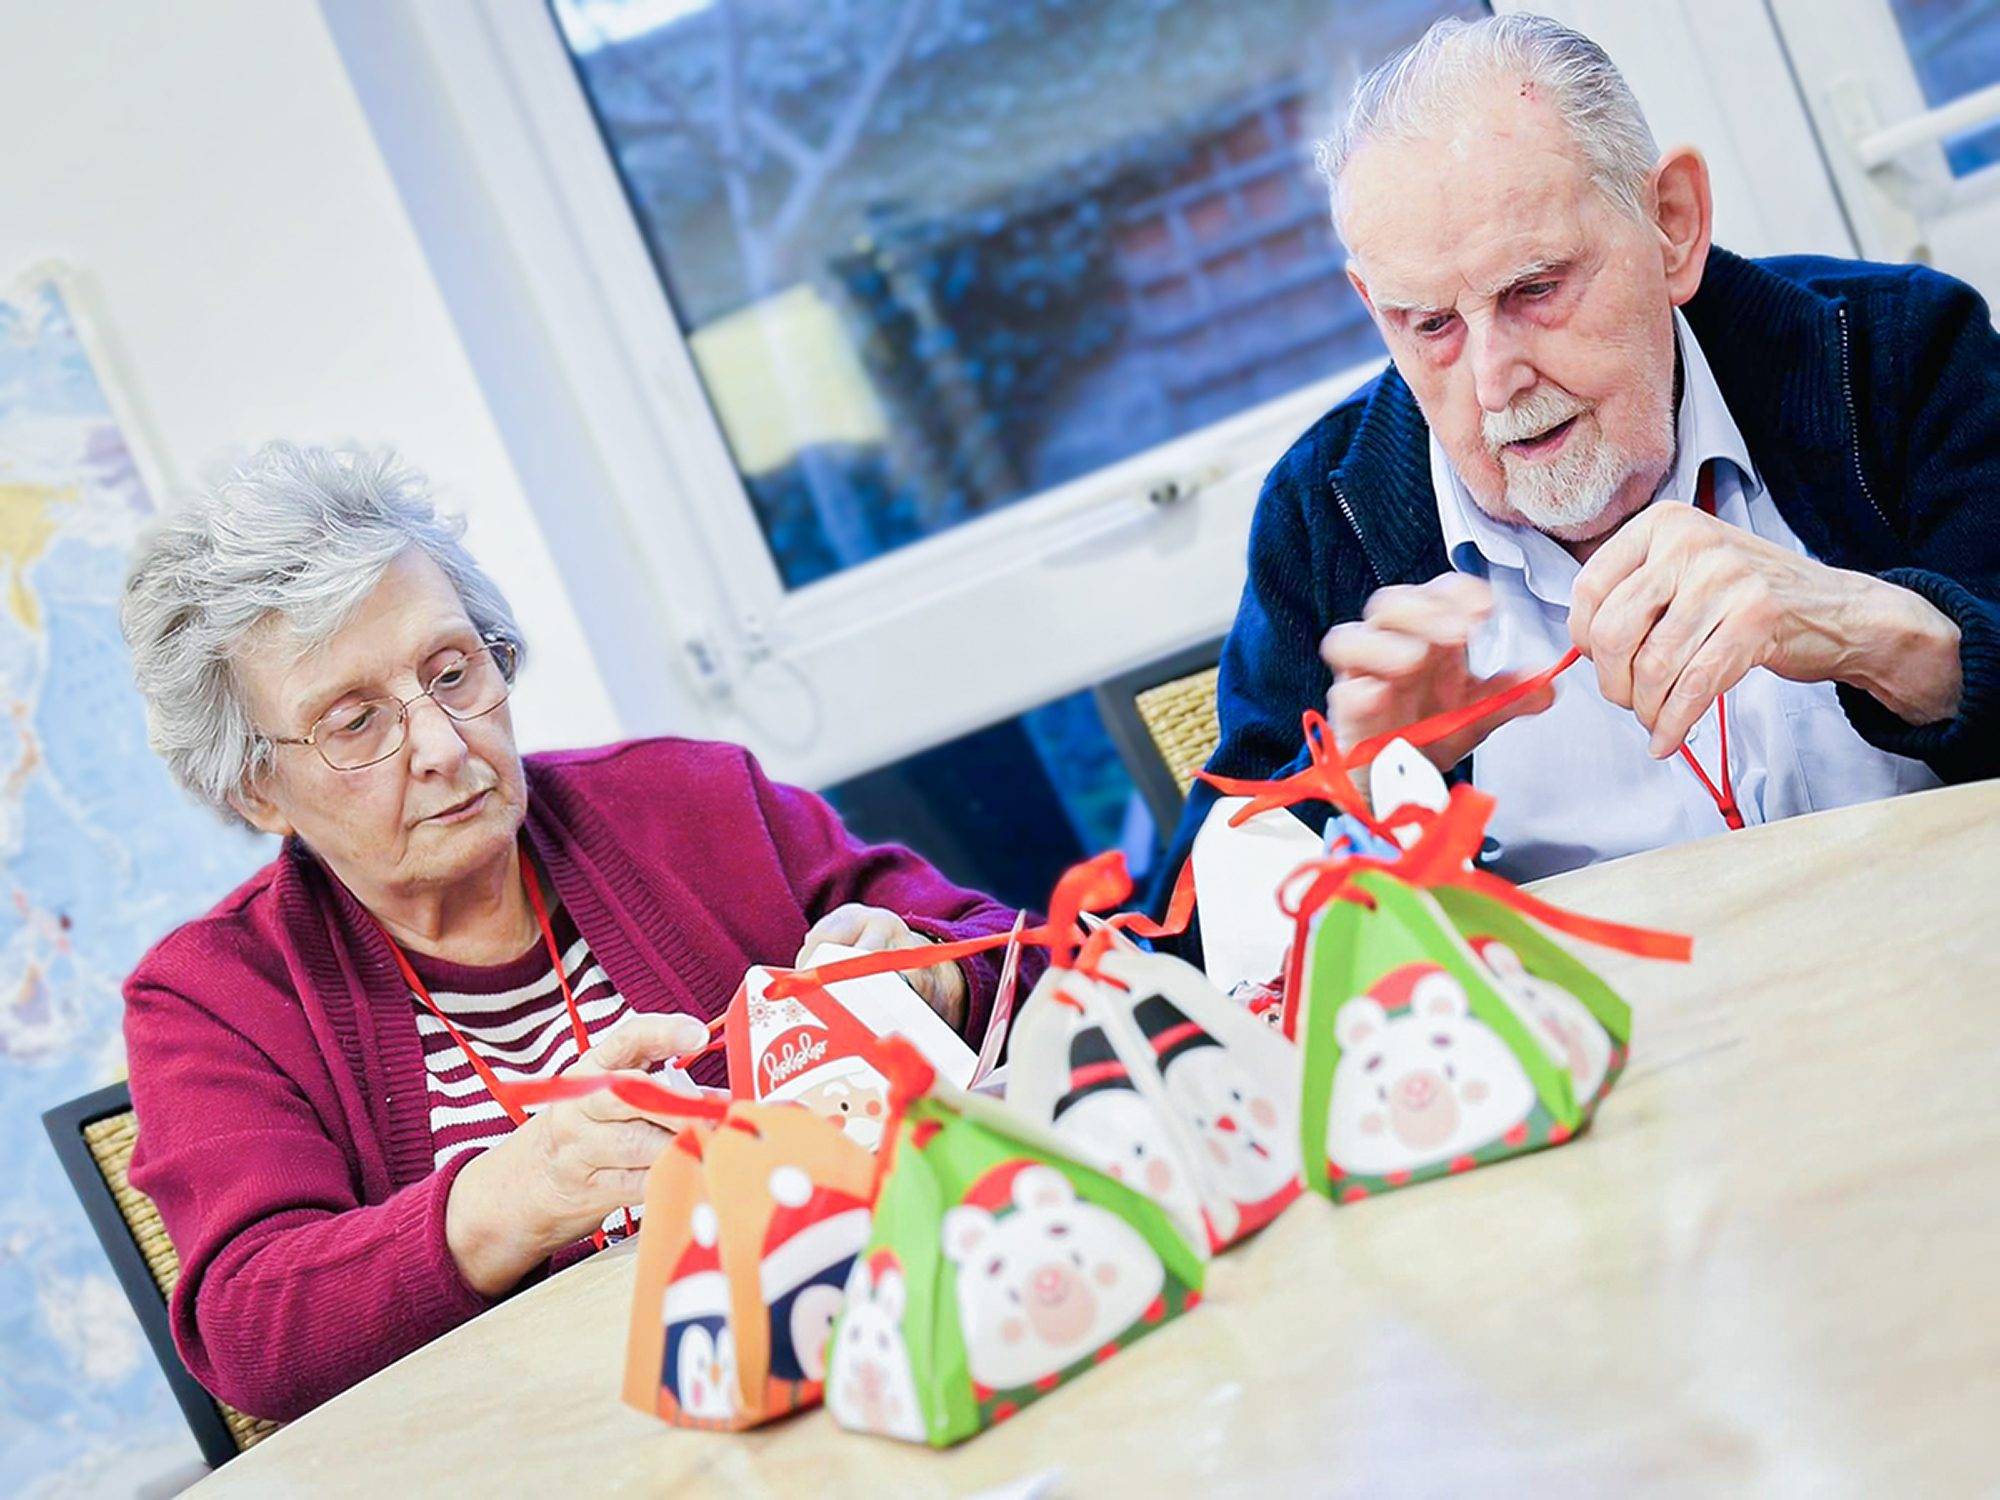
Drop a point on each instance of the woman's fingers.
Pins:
(642, 1038)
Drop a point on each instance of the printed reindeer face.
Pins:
(870, 1387)
(1427, 1085)
(1046, 1284)
(1578, 1039)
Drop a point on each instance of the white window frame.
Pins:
(960, 630)
(1856, 74)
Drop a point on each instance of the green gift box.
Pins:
(999, 1267)
(1441, 1031)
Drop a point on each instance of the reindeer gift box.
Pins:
(1441, 1028)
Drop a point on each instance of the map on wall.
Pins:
(99, 855)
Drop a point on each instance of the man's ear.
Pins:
(259, 811)
(1683, 214)
(1360, 287)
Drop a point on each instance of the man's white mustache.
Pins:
(1529, 417)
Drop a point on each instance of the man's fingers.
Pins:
(1539, 701)
(1445, 612)
(1624, 553)
(1622, 626)
(1366, 650)
(642, 1038)
(1716, 667)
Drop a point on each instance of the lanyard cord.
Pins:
(1724, 795)
(479, 1065)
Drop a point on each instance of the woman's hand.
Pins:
(942, 986)
(555, 1178)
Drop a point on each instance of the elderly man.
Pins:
(1759, 496)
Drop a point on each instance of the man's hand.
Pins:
(1677, 606)
(942, 986)
(1404, 660)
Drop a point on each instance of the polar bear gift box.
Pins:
(999, 1268)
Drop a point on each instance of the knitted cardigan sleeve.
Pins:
(290, 1290)
(1934, 371)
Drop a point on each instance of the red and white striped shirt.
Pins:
(513, 1015)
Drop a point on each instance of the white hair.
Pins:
(1423, 90)
(302, 534)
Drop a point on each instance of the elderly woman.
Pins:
(313, 1061)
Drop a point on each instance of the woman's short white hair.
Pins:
(1421, 92)
(300, 533)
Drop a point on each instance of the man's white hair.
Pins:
(1422, 92)
(303, 534)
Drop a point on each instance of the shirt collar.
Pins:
(1704, 430)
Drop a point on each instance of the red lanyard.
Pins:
(486, 1075)
(1724, 795)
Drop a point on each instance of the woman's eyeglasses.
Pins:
(355, 735)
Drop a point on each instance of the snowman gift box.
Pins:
(1145, 1070)
(999, 1267)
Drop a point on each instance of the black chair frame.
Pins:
(65, 1125)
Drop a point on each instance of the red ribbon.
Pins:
(1328, 774)
(640, 1093)
(1098, 884)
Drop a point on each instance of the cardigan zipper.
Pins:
(1347, 512)
(1854, 422)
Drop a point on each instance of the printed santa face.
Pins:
(1428, 1084)
(809, 1248)
(1243, 1125)
(852, 1095)
(870, 1387)
(1113, 1128)
(699, 1361)
(1579, 1040)
(1044, 1279)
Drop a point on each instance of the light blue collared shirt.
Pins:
(1576, 784)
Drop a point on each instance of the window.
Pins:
(934, 257)
(1954, 47)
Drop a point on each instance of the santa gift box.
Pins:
(812, 1043)
(1147, 1071)
(1000, 1267)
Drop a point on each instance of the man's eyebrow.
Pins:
(1533, 270)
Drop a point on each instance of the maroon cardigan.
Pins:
(279, 1081)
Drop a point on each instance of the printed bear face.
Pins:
(1580, 1040)
(701, 1359)
(858, 1103)
(1431, 1084)
(1244, 1127)
(1119, 1132)
(1047, 1284)
(870, 1387)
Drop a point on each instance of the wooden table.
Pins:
(1771, 1267)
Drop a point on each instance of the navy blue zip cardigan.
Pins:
(1869, 396)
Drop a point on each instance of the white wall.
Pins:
(206, 167)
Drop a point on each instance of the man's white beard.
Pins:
(1564, 497)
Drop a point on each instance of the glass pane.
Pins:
(935, 256)
(1008, 808)
(1955, 48)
